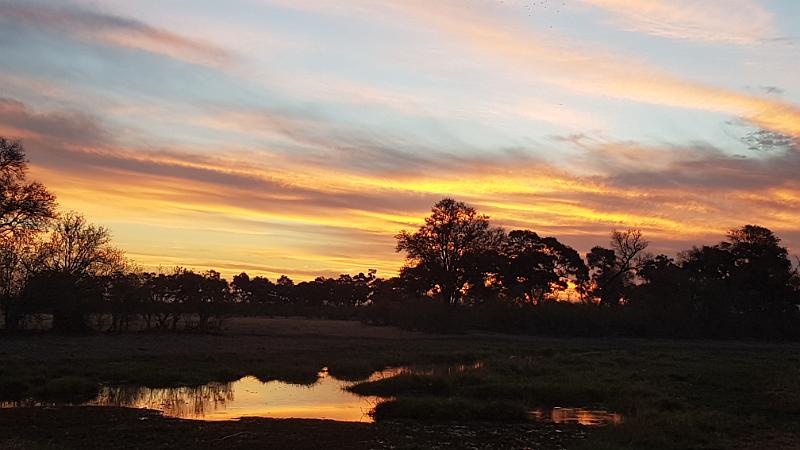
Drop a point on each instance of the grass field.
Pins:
(672, 394)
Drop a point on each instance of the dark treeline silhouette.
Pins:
(460, 273)
(745, 286)
(179, 300)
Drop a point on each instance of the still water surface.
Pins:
(248, 397)
(581, 416)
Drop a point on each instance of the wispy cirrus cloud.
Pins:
(698, 166)
(96, 27)
(591, 68)
(728, 21)
(599, 71)
(17, 120)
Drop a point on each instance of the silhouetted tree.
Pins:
(746, 281)
(126, 295)
(762, 271)
(24, 206)
(205, 295)
(79, 248)
(443, 253)
(663, 300)
(241, 287)
(313, 293)
(607, 280)
(613, 269)
(535, 267)
(163, 307)
(74, 256)
(263, 291)
(283, 288)
(70, 297)
(709, 270)
(255, 290)
(16, 268)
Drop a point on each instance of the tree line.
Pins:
(59, 266)
(744, 286)
(460, 272)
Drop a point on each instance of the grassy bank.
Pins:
(673, 394)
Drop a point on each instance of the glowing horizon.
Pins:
(298, 137)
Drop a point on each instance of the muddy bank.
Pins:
(124, 428)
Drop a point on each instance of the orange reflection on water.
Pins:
(247, 397)
(580, 416)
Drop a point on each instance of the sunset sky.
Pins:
(298, 137)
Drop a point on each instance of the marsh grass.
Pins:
(71, 389)
(673, 394)
(406, 384)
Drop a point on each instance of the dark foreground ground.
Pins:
(106, 428)
(672, 394)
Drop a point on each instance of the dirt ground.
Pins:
(87, 428)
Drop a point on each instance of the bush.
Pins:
(13, 389)
(68, 389)
(421, 314)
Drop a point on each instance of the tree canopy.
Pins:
(443, 256)
(24, 206)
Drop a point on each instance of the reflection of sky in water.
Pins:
(325, 399)
(581, 416)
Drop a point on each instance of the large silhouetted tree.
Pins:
(80, 248)
(443, 255)
(762, 271)
(24, 206)
(747, 279)
(68, 266)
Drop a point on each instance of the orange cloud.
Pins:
(323, 220)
